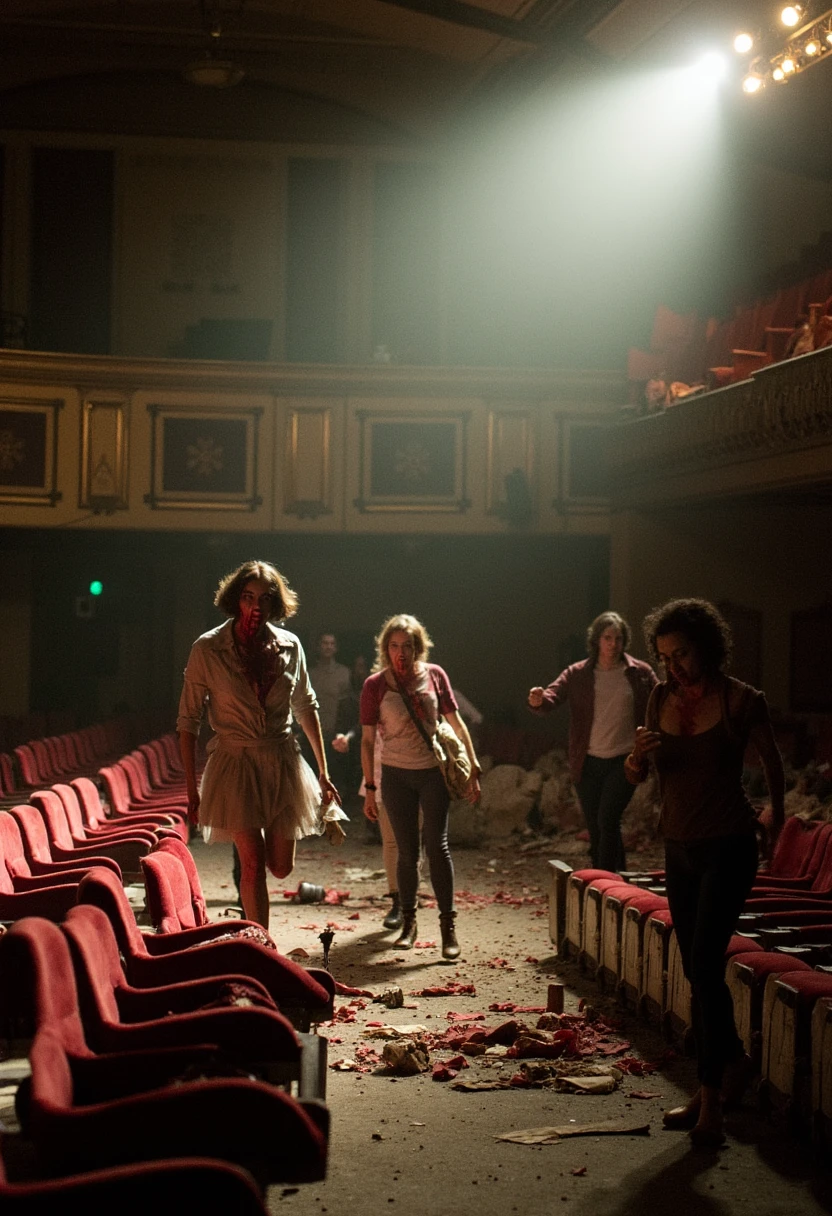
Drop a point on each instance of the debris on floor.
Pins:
(551, 1135)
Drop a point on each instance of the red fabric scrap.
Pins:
(452, 989)
(502, 1007)
(424, 945)
(464, 1017)
(441, 1072)
(346, 990)
(354, 916)
(334, 896)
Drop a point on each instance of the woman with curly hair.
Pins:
(405, 684)
(607, 696)
(256, 790)
(698, 725)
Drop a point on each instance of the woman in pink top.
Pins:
(404, 684)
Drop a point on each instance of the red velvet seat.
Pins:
(746, 976)
(95, 818)
(36, 846)
(24, 894)
(121, 802)
(118, 1017)
(150, 960)
(273, 1136)
(789, 1003)
(126, 852)
(134, 1190)
(82, 835)
(134, 767)
(174, 895)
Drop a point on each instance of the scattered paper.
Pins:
(551, 1135)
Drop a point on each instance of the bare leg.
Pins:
(252, 853)
(280, 854)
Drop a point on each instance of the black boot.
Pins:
(407, 936)
(450, 946)
(393, 919)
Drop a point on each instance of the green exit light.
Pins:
(96, 587)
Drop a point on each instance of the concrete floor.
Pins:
(413, 1145)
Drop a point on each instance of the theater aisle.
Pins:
(411, 1145)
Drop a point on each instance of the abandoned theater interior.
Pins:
(405, 354)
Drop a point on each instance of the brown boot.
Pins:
(407, 936)
(450, 946)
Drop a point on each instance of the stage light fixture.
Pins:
(743, 43)
(789, 66)
(791, 14)
(752, 83)
(812, 47)
(778, 74)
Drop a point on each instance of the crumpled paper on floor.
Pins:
(552, 1135)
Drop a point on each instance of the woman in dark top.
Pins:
(698, 725)
(607, 695)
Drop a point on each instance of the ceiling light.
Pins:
(791, 15)
(752, 83)
(789, 66)
(778, 74)
(743, 43)
(213, 73)
(812, 47)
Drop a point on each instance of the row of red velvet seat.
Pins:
(622, 931)
(72, 814)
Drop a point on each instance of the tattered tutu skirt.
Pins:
(257, 785)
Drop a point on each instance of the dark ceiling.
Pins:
(417, 68)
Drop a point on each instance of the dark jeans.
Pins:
(708, 882)
(403, 791)
(604, 792)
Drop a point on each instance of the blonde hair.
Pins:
(402, 623)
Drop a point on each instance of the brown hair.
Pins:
(404, 623)
(284, 600)
(602, 622)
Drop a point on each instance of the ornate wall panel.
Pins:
(510, 462)
(307, 485)
(104, 454)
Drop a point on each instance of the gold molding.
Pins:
(172, 497)
(500, 447)
(307, 459)
(104, 440)
(384, 490)
(44, 491)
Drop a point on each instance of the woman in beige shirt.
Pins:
(256, 790)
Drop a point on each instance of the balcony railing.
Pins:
(770, 431)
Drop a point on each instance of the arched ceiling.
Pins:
(418, 68)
